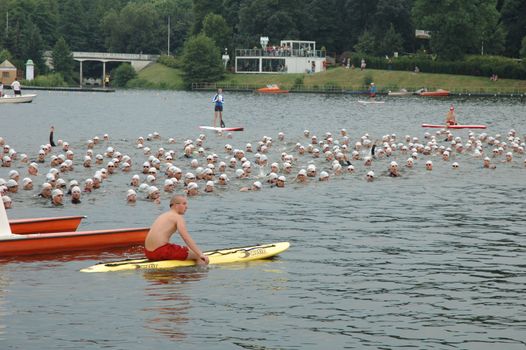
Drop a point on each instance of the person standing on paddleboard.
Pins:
(157, 245)
(218, 101)
(451, 118)
(372, 91)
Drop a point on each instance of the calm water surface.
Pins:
(432, 260)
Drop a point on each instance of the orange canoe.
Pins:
(272, 89)
(45, 225)
(439, 92)
(45, 243)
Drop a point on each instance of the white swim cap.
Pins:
(56, 192)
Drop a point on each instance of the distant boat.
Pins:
(436, 93)
(402, 92)
(17, 99)
(272, 89)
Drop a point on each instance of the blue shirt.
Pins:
(219, 100)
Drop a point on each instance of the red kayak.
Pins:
(437, 93)
(442, 126)
(46, 243)
(45, 225)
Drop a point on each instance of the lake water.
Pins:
(431, 260)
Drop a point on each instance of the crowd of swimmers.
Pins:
(192, 168)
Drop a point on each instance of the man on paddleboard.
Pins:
(218, 101)
(157, 245)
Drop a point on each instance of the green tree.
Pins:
(181, 20)
(390, 42)
(72, 24)
(5, 55)
(395, 14)
(326, 17)
(138, 27)
(277, 19)
(216, 28)
(123, 73)
(45, 17)
(366, 43)
(522, 52)
(63, 59)
(457, 27)
(358, 16)
(33, 46)
(201, 60)
(514, 22)
(200, 9)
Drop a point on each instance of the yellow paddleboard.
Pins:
(220, 256)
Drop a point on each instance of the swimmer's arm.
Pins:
(51, 142)
(183, 232)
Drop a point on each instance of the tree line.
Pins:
(374, 27)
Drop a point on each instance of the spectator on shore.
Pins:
(363, 64)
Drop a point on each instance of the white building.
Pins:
(291, 56)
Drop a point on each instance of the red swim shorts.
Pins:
(168, 251)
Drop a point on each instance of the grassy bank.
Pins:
(159, 76)
(346, 79)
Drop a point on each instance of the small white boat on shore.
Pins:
(402, 92)
(17, 99)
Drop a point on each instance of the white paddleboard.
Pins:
(370, 102)
(239, 128)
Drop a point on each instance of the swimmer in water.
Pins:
(393, 169)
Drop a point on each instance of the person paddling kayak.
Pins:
(157, 245)
(451, 118)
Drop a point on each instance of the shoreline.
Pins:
(362, 92)
(324, 90)
(63, 88)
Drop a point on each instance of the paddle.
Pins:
(222, 123)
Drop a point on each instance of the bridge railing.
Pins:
(110, 55)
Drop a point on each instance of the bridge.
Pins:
(137, 61)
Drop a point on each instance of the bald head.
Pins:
(177, 199)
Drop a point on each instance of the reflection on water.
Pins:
(4, 284)
(169, 302)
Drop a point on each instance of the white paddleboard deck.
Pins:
(371, 102)
(239, 128)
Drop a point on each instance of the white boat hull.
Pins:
(399, 93)
(17, 99)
